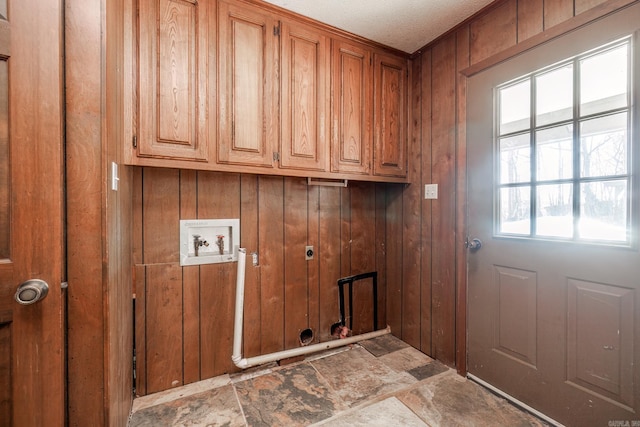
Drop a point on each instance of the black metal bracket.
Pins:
(349, 281)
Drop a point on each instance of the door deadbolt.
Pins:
(32, 291)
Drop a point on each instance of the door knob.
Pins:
(31, 291)
(473, 244)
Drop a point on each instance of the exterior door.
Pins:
(554, 288)
(31, 239)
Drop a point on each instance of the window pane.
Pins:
(554, 151)
(515, 107)
(604, 210)
(554, 216)
(515, 208)
(554, 96)
(515, 159)
(603, 81)
(603, 146)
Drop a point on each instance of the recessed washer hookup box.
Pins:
(209, 241)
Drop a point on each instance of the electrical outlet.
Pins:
(431, 191)
(308, 253)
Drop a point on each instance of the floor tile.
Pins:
(178, 392)
(383, 344)
(218, 407)
(357, 375)
(451, 400)
(406, 359)
(425, 371)
(292, 396)
(389, 412)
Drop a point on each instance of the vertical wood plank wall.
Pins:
(184, 319)
(184, 315)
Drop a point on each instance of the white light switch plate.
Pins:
(431, 191)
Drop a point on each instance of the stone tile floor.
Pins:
(379, 382)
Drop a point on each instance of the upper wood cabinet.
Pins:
(247, 85)
(305, 83)
(390, 117)
(176, 69)
(352, 88)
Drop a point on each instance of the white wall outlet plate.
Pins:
(209, 241)
(431, 191)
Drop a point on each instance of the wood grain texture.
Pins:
(381, 251)
(313, 266)
(462, 61)
(296, 308)
(584, 5)
(329, 254)
(412, 219)
(389, 115)
(530, 18)
(271, 245)
(426, 231)
(494, 31)
(443, 172)
(140, 284)
(249, 221)
(363, 235)
(161, 206)
(174, 41)
(218, 197)
(394, 259)
(304, 91)
(163, 327)
(248, 84)
(557, 11)
(351, 108)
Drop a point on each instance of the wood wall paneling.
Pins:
(412, 219)
(426, 215)
(462, 62)
(584, 5)
(271, 245)
(313, 266)
(329, 254)
(494, 31)
(296, 307)
(381, 251)
(557, 11)
(252, 326)
(443, 214)
(163, 327)
(530, 18)
(394, 259)
(218, 197)
(363, 222)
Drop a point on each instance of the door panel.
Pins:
(553, 324)
(31, 239)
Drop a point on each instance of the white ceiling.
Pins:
(406, 25)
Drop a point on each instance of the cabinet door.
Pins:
(351, 108)
(305, 68)
(390, 99)
(248, 85)
(174, 76)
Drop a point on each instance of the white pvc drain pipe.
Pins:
(244, 363)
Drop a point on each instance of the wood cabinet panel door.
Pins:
(390, 99)
(248, 86)
(32, 347)
(351, 108)
(176, 79)
(305, 60)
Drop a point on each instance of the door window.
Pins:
(563, 153)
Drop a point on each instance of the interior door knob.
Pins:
(32, 291)
(473, 244)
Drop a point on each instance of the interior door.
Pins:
(553, 319)
(31, 238)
